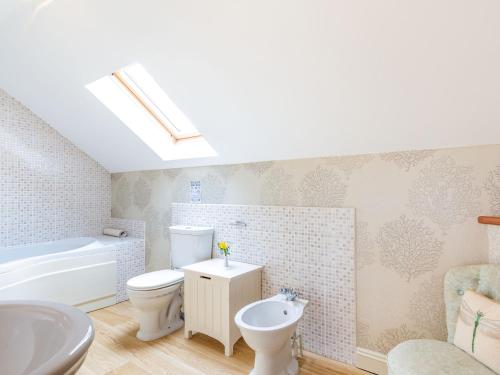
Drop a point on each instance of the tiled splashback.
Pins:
(494, 244)
(308, 249)
(49, 189)
(129, 251)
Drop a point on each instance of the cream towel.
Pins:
(115, 232)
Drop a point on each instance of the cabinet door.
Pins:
(206, 304)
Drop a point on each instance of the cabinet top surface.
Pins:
(215, 267)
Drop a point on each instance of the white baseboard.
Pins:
(371, 361)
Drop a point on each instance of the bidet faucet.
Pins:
(289, 293)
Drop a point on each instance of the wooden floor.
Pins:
(116, 350)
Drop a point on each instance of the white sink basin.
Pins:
(39, 338)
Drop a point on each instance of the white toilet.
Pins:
(157, 296)
(267, 327)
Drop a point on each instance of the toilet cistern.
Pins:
(157, 296)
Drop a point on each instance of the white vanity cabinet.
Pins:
(213, 295)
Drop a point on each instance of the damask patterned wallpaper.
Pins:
(415, 218)
(49, 189)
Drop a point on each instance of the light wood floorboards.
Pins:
(116, 351)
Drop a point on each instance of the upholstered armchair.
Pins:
(432, 357)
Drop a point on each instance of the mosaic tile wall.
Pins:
(129, 252)
(308, 249)
(429, 198)
(49, 189)
(130, 262)
(494, 244)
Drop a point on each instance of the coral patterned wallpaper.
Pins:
(415, 218)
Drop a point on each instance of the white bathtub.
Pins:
(77, 271)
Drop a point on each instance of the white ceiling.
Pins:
(264, 79)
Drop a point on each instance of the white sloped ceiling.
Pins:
(263, 79)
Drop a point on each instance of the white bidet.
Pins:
(267, 327)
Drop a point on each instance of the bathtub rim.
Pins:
(98, 244)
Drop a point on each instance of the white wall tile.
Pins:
(49, 189)
(308, 249)
(130, 262)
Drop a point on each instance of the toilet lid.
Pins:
(155, 280)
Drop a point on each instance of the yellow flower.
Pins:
(223, 245)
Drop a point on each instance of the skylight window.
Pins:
(140, 103)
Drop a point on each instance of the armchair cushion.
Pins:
(431, 357)
(478, 329)
(483, 279)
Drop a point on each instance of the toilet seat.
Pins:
(155, 280)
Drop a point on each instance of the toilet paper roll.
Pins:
(115, 232)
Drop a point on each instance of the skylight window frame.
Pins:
(141, 97)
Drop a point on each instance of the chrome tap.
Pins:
(289, 293)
